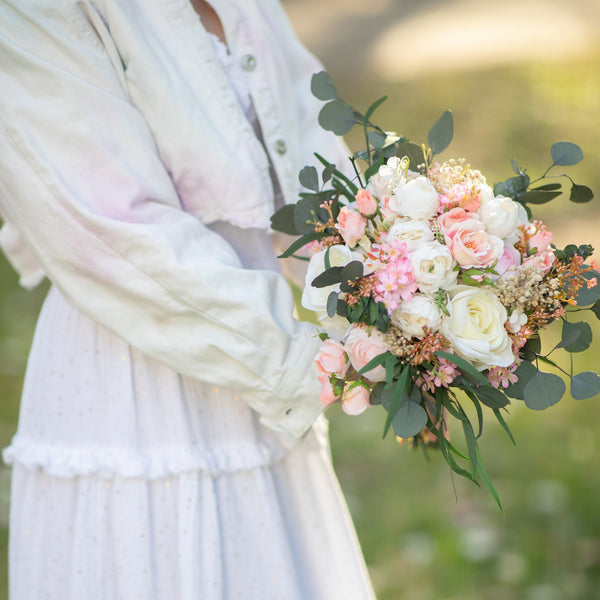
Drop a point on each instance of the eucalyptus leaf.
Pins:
(410, 419)
(543, 390)
(492, 397)
(413, 152)
(353, 270)
(576, 337)
(376, 138)
(338, 117)
(327, 173)
(532, 348)
(580, 194)
(283, 220)
(585, 385)
(399, 396)
(299, 243)
(538, 196)
(309, 178)
(525, 371)
(566, 153)
(306, 213)
(332, 303)
(329, 277)
(549, 187)
(596, 309)
(322, 87)
(440, 135)
(373, 107)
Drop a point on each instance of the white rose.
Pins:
(417, 199)
(315, 298)
(412, 232)
(335, 327)
(475, 327)
(500, 216)
(412, 316)
(387, 178)
(433, 267)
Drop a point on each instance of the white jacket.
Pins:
(120, 139)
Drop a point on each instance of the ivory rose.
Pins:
(351, 225)
(476, 329)
(316, 298)
(500, 216)
(362, 346)
(417, 198)
(387, 177)
(414, 315)
(412, 232)
(433, 267)
(355, 399)
(331, 358)
(366, 204)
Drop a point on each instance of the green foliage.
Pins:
(440, 135)
(543, 390)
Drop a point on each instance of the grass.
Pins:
(427, 536)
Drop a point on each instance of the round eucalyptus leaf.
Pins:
(585, 295)
(309, 178)
(409, 420)
(585, 385)
(338, 117)
(525, 371)
(580, 194)
(440, 135)
(566, 153)
(543, 390)
(323, 87)
(576, 337)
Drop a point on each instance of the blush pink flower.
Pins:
(355, 399)
(351, 225)
(331, 358)
(471, 247)
(366, 204)
(464, 195)
(502, 376)
(362, 347)
(451, 221)
(541, 262)
(540, 240)
(327, 395)
(509, 261)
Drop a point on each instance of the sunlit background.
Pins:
(518, 76)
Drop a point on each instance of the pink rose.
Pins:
(355, 399)
(509, 261)
(363, 347)
(452, 220)
(365, 202)
(541, 262)
(471, 247)
(351, 226)
(541, 240)
(331, 359)
(327, 395)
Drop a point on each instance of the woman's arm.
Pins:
(82, 180)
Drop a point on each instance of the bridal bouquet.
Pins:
(432, 288)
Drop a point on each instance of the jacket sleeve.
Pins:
(83, 183)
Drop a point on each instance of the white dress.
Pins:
(160, 487)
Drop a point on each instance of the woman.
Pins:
(165, 445)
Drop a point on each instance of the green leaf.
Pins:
(332, 302)
(576, 337)
(538, 196)
(464, 365)
(440, 135)
(373, 107)
(596, 309)
(300, 242)
(585, 385)
(543, 390)
(338, 117)
(399, 395)
(525, 371)
(309, 178)
(566, 153)
(504, 425)
(491, 397)
(413, 152)
(586, 296)
(350, 273)
(283, 220)
(329, 277)
(322, 87)
(531, 348)
(409, 420)
(306, 212)
(549, 187)
(327, 173)
(375, 362)
(580, 194)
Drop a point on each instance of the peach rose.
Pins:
(366, 204)
(327, 395)
(541, 240)
(542, 261)
(450, 222)
(351, 225)
(471, 247)
(331, 359)
(362, 347)
(355, 399)
(509, 262)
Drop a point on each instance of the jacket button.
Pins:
(248, 62)
(280, 146)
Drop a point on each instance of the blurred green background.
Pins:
(518, 77)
